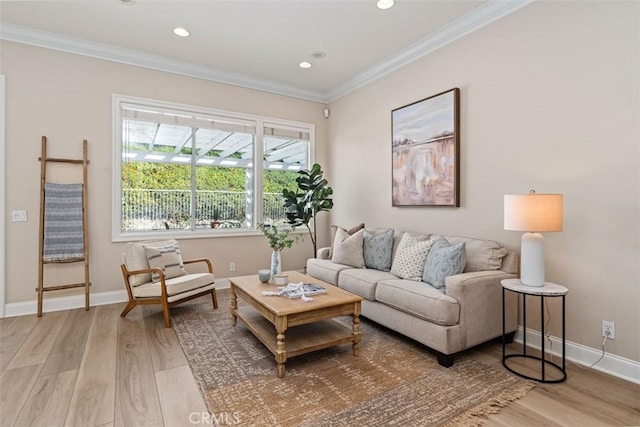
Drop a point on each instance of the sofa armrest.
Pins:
(480, 297)
(323, 253)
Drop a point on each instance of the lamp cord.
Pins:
(546, 332)
(547, 335)
(603, 352)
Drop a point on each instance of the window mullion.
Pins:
(194, 184)
(257, 182)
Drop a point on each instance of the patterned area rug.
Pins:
(394, 381)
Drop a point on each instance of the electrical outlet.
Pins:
(609, 330)
(232, 266)
(18, 216)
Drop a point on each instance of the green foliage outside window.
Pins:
(158, 176)
(165, 176)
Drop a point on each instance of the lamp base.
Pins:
(532, 260)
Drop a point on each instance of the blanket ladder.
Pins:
(64, 236)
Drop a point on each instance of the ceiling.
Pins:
(254, 43)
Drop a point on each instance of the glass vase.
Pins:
(276, 265)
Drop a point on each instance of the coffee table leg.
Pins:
(281, 352)
(234, 305)
(356, 334)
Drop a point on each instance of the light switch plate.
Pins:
(19, 216)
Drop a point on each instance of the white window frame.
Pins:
(117, 235)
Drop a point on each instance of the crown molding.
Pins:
(491, 11)
(477, 18)
(34, 37)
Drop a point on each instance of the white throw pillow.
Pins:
(136, 259)
(411, 257)
(347, 249)
(166, 258)
(350, 231)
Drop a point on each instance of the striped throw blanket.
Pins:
(63, 236)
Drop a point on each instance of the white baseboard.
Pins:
(64, 303)
(611, 364)
(77, 301)
(223, 284)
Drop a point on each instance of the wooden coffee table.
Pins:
(300, 327)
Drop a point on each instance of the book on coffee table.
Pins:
(295, 290)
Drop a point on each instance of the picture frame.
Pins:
(425, 145)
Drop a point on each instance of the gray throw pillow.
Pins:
(444, 260)
(378, 249)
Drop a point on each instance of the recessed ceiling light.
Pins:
(182, 32)
(385, 4)
(305, 64)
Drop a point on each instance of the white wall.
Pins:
(68, 98)
(549, 101)
(3, 259)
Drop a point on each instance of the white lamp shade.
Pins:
(533, 212)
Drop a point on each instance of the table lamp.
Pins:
(532, 213)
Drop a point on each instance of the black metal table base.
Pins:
(543, 362)
(542, 380)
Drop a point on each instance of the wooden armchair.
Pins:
(154, 273)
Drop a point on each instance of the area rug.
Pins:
(394, 380)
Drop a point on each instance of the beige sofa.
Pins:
(467, 313)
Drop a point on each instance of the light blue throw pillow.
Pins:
(444, 260)
(378, 249)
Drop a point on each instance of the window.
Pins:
(190, 171)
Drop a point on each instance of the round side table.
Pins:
(547, 291)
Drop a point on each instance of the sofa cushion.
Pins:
(378, 249)
(347, 249)
(175, 286)
(166, 258)
(482, 254)
(362, 281)
(411, 257)
(325, 270)
(350, 231)
(444, 260)
(135, 258)
(420, 300)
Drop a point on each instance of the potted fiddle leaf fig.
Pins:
(312, 197)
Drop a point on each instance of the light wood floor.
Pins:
(93, 368)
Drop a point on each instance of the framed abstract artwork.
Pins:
(426, 151)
